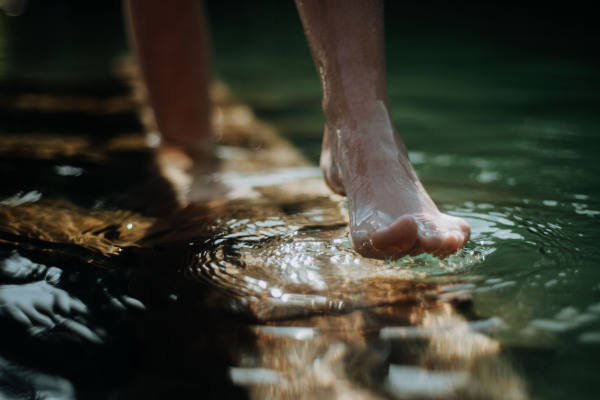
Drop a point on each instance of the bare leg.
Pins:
(170, 40)
(391, 214)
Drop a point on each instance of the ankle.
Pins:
(346, 113)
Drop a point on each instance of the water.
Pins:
(258, 294)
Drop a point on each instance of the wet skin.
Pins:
(391, 214)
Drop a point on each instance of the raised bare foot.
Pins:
(391, 214)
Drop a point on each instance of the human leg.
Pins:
(363, 157)
(170, 40)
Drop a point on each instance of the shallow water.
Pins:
(259, 294)
(499, 110)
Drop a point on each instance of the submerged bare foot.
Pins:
(391, 214)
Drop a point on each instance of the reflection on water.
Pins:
(256, 292)
(112, 286)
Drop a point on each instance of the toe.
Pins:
(466, 231)
(397, 238)
(463, 227)
(443, 236)
(451, 242)
(430, 242)
(439, 235)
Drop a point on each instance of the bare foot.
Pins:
(190, 171)
(391, 214)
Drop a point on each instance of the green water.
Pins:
(499, 111)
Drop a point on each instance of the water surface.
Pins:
(259, 294)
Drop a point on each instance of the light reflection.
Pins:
(589, 338)
(327, 356)
(455, 327)
(303, 299)
(408, 382)
(67, 170)
(255, 376)
(298, 333)
(22, 198)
